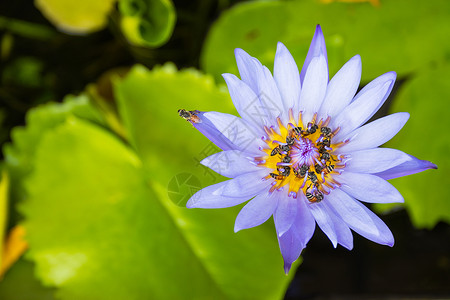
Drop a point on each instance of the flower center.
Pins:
(302, 157)
(303, 151)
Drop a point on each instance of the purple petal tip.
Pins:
(318, 29)
(227, 76)
(189, 204)
(426, 165)
(238, 51)
(319, 41)
(287, 268)
(316, 49)
(392, 75)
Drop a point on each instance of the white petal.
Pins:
(374, 133)
(325, 222)
(269, 96)
(287, 78)
(342, 88)
(285, 213)
(352, 213)
(384, 235)
(412, 166)
(304, 222)
(316, 49)
(343, 233)
(291, 247)
(260, 81)
(246, 101)
(230, 163)
(257, 211)
(295, 239)
(248, 67)
(240, 133)
(375, 160)
(314, 88)
(247, 185)
(210, 197)
(361, 219)
(209, 130)
(369, 188)
(364, 105)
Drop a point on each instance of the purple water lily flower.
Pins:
(300, 150)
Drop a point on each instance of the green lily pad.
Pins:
(19, 155)
(425, 136)
(20, 283)
(398, 35)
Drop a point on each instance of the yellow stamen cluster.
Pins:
(302, 157)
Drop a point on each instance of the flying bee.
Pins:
(326, 142)
(285, 148)
(313, 177)
(276, 176)
(290, 140)
(275, 151)
(184, 114)
(292, 134)
(319, 196)
(322, 148)
(312, 128)
(280, 148)
(325, 156)
(301, 172)
(318, 168)
(285, 171)
(297, 130)
(325, 131)
(313, 197)
(329, 169)
(190, 116)
(286, 159)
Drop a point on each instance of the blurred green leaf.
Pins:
(20, 284)
(25, 29)
(14, 247)
(425, 136)
(6, 45)
(76, 16)
(4, 187)
(397, 35)
(149, 103)
(19, 155)
(147, 22)
(24, 71)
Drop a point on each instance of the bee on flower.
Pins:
(302, 152)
